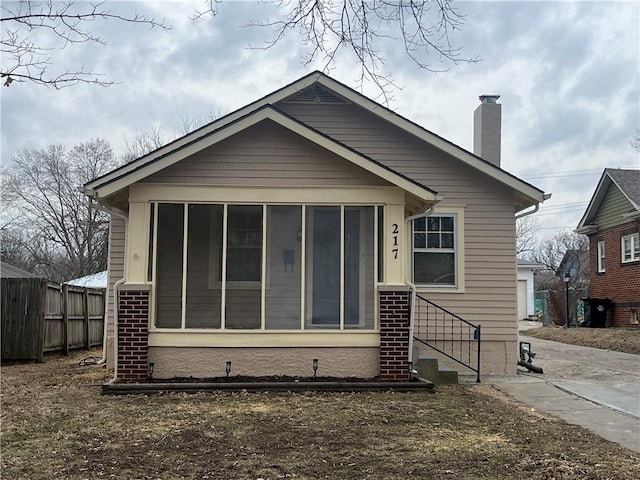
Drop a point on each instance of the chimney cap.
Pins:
(489, 98)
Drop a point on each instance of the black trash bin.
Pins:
(598, 308)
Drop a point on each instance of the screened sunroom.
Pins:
(224, 266)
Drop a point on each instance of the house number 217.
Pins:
(394, 238)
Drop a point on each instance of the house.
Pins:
(526, 290)
(575, 264)
(292, 232)
(612, 223)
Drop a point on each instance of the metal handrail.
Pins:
(445, 332)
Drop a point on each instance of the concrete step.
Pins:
(429, 368)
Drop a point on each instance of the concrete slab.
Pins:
(595, 389)
(622, 397)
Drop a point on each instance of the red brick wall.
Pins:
(133, 320)
(394, 335)
(621, 281)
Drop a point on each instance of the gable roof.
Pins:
(522, 263)
(150, 164)
(526, 194)
(626, 180)
(575, 263)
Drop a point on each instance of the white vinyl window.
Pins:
(601, 256)
(631, 248)
(434, 250)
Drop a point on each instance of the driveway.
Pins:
(596, 389)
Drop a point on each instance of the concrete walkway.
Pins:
(596, 389)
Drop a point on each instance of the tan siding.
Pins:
(266, 154)
(490, 271)
(115, 265)
(612, 207)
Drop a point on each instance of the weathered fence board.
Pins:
(38, 317)
(23, 301)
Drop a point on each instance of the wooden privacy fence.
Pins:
(39, 316)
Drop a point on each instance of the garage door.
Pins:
(522, 299)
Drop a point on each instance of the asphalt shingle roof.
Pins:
(628, 181)
(9, 271)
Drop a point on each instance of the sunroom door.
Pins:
(324, 243)
(328, 240)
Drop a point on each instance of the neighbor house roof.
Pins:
(575, 263)
(96, 280)
(9, 271)
(526, 194)
(527, 264)
(627, 181)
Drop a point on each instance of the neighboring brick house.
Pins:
(612, 223)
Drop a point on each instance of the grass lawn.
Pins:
(55, 424)
(625, 340)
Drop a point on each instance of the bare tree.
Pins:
(33, 30)
(552, 250)
(635, 141)
(149, 140)
(526, 229)
(363, 29)
(53, 224)
(143, 143)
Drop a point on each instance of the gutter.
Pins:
(98, 205)
(545, 197)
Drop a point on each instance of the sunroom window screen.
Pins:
(169, 265)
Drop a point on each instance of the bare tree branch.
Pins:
(635, 141)
(57, 24)
(526, 229)
(362, 28)
(54, 226)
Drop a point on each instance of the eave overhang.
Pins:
(525, 194)
(140, 169)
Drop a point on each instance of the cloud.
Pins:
(567, 73)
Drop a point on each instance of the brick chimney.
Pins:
(487, 125)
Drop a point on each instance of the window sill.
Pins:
(264, 338)
(443, 289)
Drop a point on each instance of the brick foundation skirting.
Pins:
(394, 336)
(133, 335)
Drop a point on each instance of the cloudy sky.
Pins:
(568, 74)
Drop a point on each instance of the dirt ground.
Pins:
(626, 340)
(56, 424)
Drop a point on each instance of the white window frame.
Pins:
(455, 250)
(601, 257)
(634, 247)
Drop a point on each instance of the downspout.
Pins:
(123, 215)
(425, 212)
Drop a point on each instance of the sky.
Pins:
(568, 74)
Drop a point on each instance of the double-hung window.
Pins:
(434, 250)
(601, 256)
(631, 248)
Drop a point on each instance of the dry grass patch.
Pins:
(626, 340)
(55, 424)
